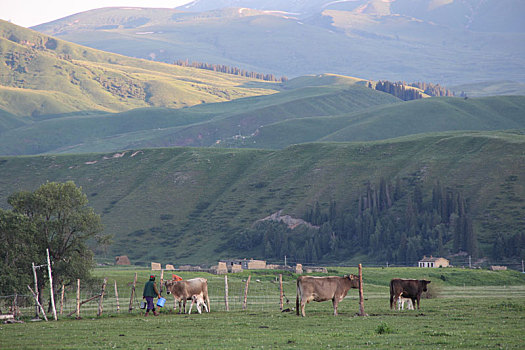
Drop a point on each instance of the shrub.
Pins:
(383, 328)
(508, 306)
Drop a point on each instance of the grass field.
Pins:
(462, 316)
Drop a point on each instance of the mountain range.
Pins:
(59, 97)
(442, 41)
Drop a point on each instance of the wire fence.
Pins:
(18, 305)
(260, 296)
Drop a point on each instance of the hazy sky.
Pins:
(27, 13)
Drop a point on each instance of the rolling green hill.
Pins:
(342, 112)
(192, 205)
(41, 75)
(395, 120)
(202, 125)
(490, 88)
(434, 115)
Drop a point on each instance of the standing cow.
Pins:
(407, 288)
(185, 290)
(325, 288)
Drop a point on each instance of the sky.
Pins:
(28, 13)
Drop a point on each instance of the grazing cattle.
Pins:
(325, 288)
(407, 288)
(184, 290)
(198, 300)
(401, 303)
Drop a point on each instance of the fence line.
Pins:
(263, 295)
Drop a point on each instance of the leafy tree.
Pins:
(17, 251)
(64, 224)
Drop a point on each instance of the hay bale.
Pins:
(122, 260)
(219, 269)
(236, 268)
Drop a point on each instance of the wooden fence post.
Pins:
(361, 297)
(132, 293)
(62, 300)
(51, 286)
(15, 307)
(38, 303)
(85, 301)
(116, 296)
(281, 292)
(37, 310)
(78, 298)
(246, 293)
(100, 307)
(161, 280)
(226, 293)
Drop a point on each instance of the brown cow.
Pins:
(185, 290)
(324, 288)
(407, 288)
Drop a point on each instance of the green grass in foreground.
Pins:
(441, 323)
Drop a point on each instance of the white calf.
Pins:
(401, 303)
(198, 300)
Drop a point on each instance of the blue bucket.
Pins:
(160, 302)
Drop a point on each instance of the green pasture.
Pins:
(464, 314)
(440, 323)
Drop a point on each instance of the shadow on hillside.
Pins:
(42, 117)
(263, 85)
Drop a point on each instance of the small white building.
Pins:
(433, 262)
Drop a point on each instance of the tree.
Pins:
(17, 251)
(63, 224)
(498, 248)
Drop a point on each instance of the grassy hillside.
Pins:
(185, 204)
(43, 75)
(434, 115)
(202, 125)
(490, 88)
(395, 120)
(341, 112)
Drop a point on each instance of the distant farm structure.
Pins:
(239, 265)
(433, 262)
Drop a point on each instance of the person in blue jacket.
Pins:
(150, 292)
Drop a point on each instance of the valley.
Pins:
(182, 163)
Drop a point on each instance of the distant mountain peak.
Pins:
(375, 7)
